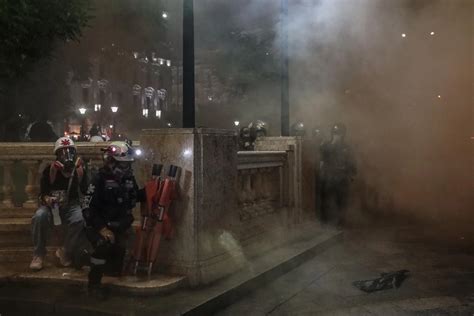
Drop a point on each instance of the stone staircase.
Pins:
(15, 235)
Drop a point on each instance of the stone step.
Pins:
(15, 225)
(22, 255)
(16, 212)
(15, 239)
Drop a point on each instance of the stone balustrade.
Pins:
(261, 182)
(33, 157)
(221, 192)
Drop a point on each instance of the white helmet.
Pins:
(63, 142)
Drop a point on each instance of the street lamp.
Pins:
(82, 132)
(236, 123)
(114, 125)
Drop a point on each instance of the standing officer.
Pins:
(337, 169)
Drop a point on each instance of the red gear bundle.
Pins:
(155, 222)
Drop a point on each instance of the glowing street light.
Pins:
(169, 124)
(236, 123)
(404, 35)
(439, 96)
(432, 33)
(114, 109)
(164, 15)
(82, 110)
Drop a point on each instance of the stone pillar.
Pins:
(7, 201)
(31, 188)
(206, 207)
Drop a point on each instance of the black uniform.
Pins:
(337, 169)
(111, 199)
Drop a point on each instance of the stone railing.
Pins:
(262, 179)
(33, 157)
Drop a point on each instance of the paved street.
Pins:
(441, 282)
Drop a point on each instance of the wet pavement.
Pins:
(58, 292)
(441, 281)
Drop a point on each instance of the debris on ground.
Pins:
(386, 281)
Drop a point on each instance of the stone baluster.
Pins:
(31, 188)
(267, 183)
(7, 183)
(281, 188)
(241, 187)
(248, 187)
(252, 193)
(258, 185)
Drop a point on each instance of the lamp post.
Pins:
(82, 132)
(284, 77)
(188, 65)
(114, 120)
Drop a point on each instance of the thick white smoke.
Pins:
(399, 74)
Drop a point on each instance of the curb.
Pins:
(233, 294)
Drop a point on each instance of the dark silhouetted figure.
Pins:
(41, 131)
(337, 169)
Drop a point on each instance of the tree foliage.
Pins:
(30, 30)
(242, 56)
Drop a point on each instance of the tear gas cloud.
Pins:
(399, 75)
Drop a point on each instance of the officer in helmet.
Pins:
(258, 128)
(246, 139)
(108, 206)
(298, 129)
(337, 169)
(60, 187)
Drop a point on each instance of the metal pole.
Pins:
(285, 86)
(188, 65)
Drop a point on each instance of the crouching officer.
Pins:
(111, 196)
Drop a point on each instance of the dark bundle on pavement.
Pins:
(386, 281)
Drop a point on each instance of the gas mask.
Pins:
(122, 169)
(67, 156)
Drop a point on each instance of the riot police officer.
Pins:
(111, 196)
(337, 169)
(246, 139)
(298, 129)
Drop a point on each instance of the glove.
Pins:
(107, 234)
(49, 200)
